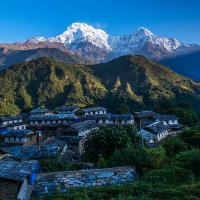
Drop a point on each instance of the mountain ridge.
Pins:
(96, 45)
(129, 80)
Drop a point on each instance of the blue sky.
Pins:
(21, 19)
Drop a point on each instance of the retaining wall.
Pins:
(62, 181)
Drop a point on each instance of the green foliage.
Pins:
(158, 157)
(189, 160)
(187, 117)
(107, 139)
(173, 146)
(123, 85)
(191, 136)
(137, 157)
(54, 164)
(175, 178)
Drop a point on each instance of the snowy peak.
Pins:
(95, 44)
(36, 40)
(143, 32)
(82, 33)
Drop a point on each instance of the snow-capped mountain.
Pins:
(97, 46)
(80, 33)
(137, 40)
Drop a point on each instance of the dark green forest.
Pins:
(125, 84)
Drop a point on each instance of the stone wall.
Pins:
(9, 189)
(62, 181)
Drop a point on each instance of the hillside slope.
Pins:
(129, 80)
(187, 64)
(9, 57)
(140, 80)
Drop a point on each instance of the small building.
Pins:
(122, 119)
(157, 131)
(100, 119)
(18, 126)
(168, 119)
(17, 178)
(145, 118)
(71, 110)
(39, 111)
(49, 149)
(82, 129)
(20, 137)
(112, 118)
(93, 111)
(54, 120)
(10, 120)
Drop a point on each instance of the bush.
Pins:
(191, 137)
(139, 157)
(107, 139)
(173, 146)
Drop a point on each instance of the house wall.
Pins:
(50, 182)
(29, 140)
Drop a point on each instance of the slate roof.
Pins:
(166, 117)
(18, 133)
(53, 117)
(156, 128)
(32, 152)
(39, 110)
(68, 108)
(143, 114)
(122, 117)
(110, 116)
(147, 136)
(16, 170)
(84, 126)
(9, 118)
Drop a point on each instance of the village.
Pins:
(29, 137)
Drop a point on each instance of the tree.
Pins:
(173, 146)
(107, 139)
(138, 157)
(191, 136)
(187, 116)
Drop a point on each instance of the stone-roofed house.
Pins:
(10, 120)
(83, 128)
(145, 118)
(70, 110)
(53, 120)
(112, 118)
(167, 119)
(39, 111)
(93, 111)
(47, 149)
(158, 130)
(17, 178)
(122, 119)
(20, 137)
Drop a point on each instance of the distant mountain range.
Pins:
(128, 80)
(9, 57)
(83, 42)
(186, 64)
